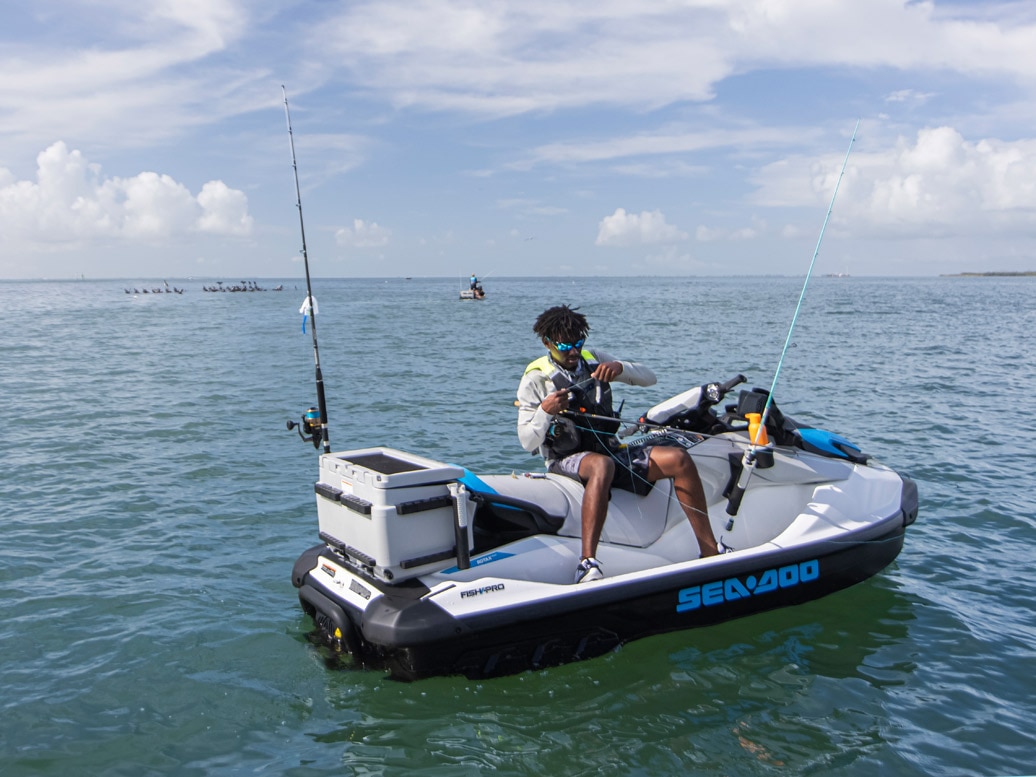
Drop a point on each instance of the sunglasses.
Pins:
(566, 347)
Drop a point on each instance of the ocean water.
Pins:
(152, 503)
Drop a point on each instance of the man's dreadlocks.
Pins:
(561, 324)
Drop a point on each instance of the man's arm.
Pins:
(632, 373)
(533, 421)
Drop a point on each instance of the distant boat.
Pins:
(243, 286)
(474, 292)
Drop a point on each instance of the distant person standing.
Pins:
(474, 282)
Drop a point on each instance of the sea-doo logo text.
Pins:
(484, 590)
(733, 588)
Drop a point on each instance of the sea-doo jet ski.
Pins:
(426, 568)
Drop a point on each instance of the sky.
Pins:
(436, 138)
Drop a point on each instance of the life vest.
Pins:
(588, 424)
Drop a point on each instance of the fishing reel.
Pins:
(309, 428)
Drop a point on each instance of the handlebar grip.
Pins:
(725, 387)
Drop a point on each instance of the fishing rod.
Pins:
(749, 459)
(314, 423)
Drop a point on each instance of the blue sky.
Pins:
(541, 137)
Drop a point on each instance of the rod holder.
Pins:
(459, 495)
(737, 493)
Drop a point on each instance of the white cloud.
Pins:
(672, 141)
(673, 260)
(909, 96)
(653, 102)
(947, 184)
(525, 208)
(508, 57)
(363, 235)
(758, 228)
(936, 184)
(120, 72)
(71, 201)
(152, 205)
(705, 234)
(225, 210)
(624, 229)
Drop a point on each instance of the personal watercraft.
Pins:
(425, 568)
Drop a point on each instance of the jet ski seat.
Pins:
(639, 521)
(508, 509)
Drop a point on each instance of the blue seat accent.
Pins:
(539, 521)
(473, 482)
(821, 441)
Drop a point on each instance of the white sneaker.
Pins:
(589, 569)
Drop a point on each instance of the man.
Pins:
(582, 446)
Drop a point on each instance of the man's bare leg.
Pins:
(676, 464)
(596, 471)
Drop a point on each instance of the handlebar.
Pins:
(725, 387)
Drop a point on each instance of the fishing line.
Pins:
(802, 294)
(734, 502)
(659, 432)
(310, 302)
(749, 458)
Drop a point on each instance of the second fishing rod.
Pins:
(750, 457)
(314, 423)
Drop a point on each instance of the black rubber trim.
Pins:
(354, 503)
(551, 524)
(320, 603)
(420, 561)
(908, 502)
(327, 491)
(348, 550)
(420, 505)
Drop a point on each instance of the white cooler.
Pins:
(391, 512)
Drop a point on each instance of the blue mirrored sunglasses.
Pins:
(566, 347)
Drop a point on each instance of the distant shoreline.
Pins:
(1004, 274)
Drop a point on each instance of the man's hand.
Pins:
(608, 371)
(555, 402)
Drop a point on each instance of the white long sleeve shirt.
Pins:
(534, 422)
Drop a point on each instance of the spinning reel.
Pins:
(309, 427)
